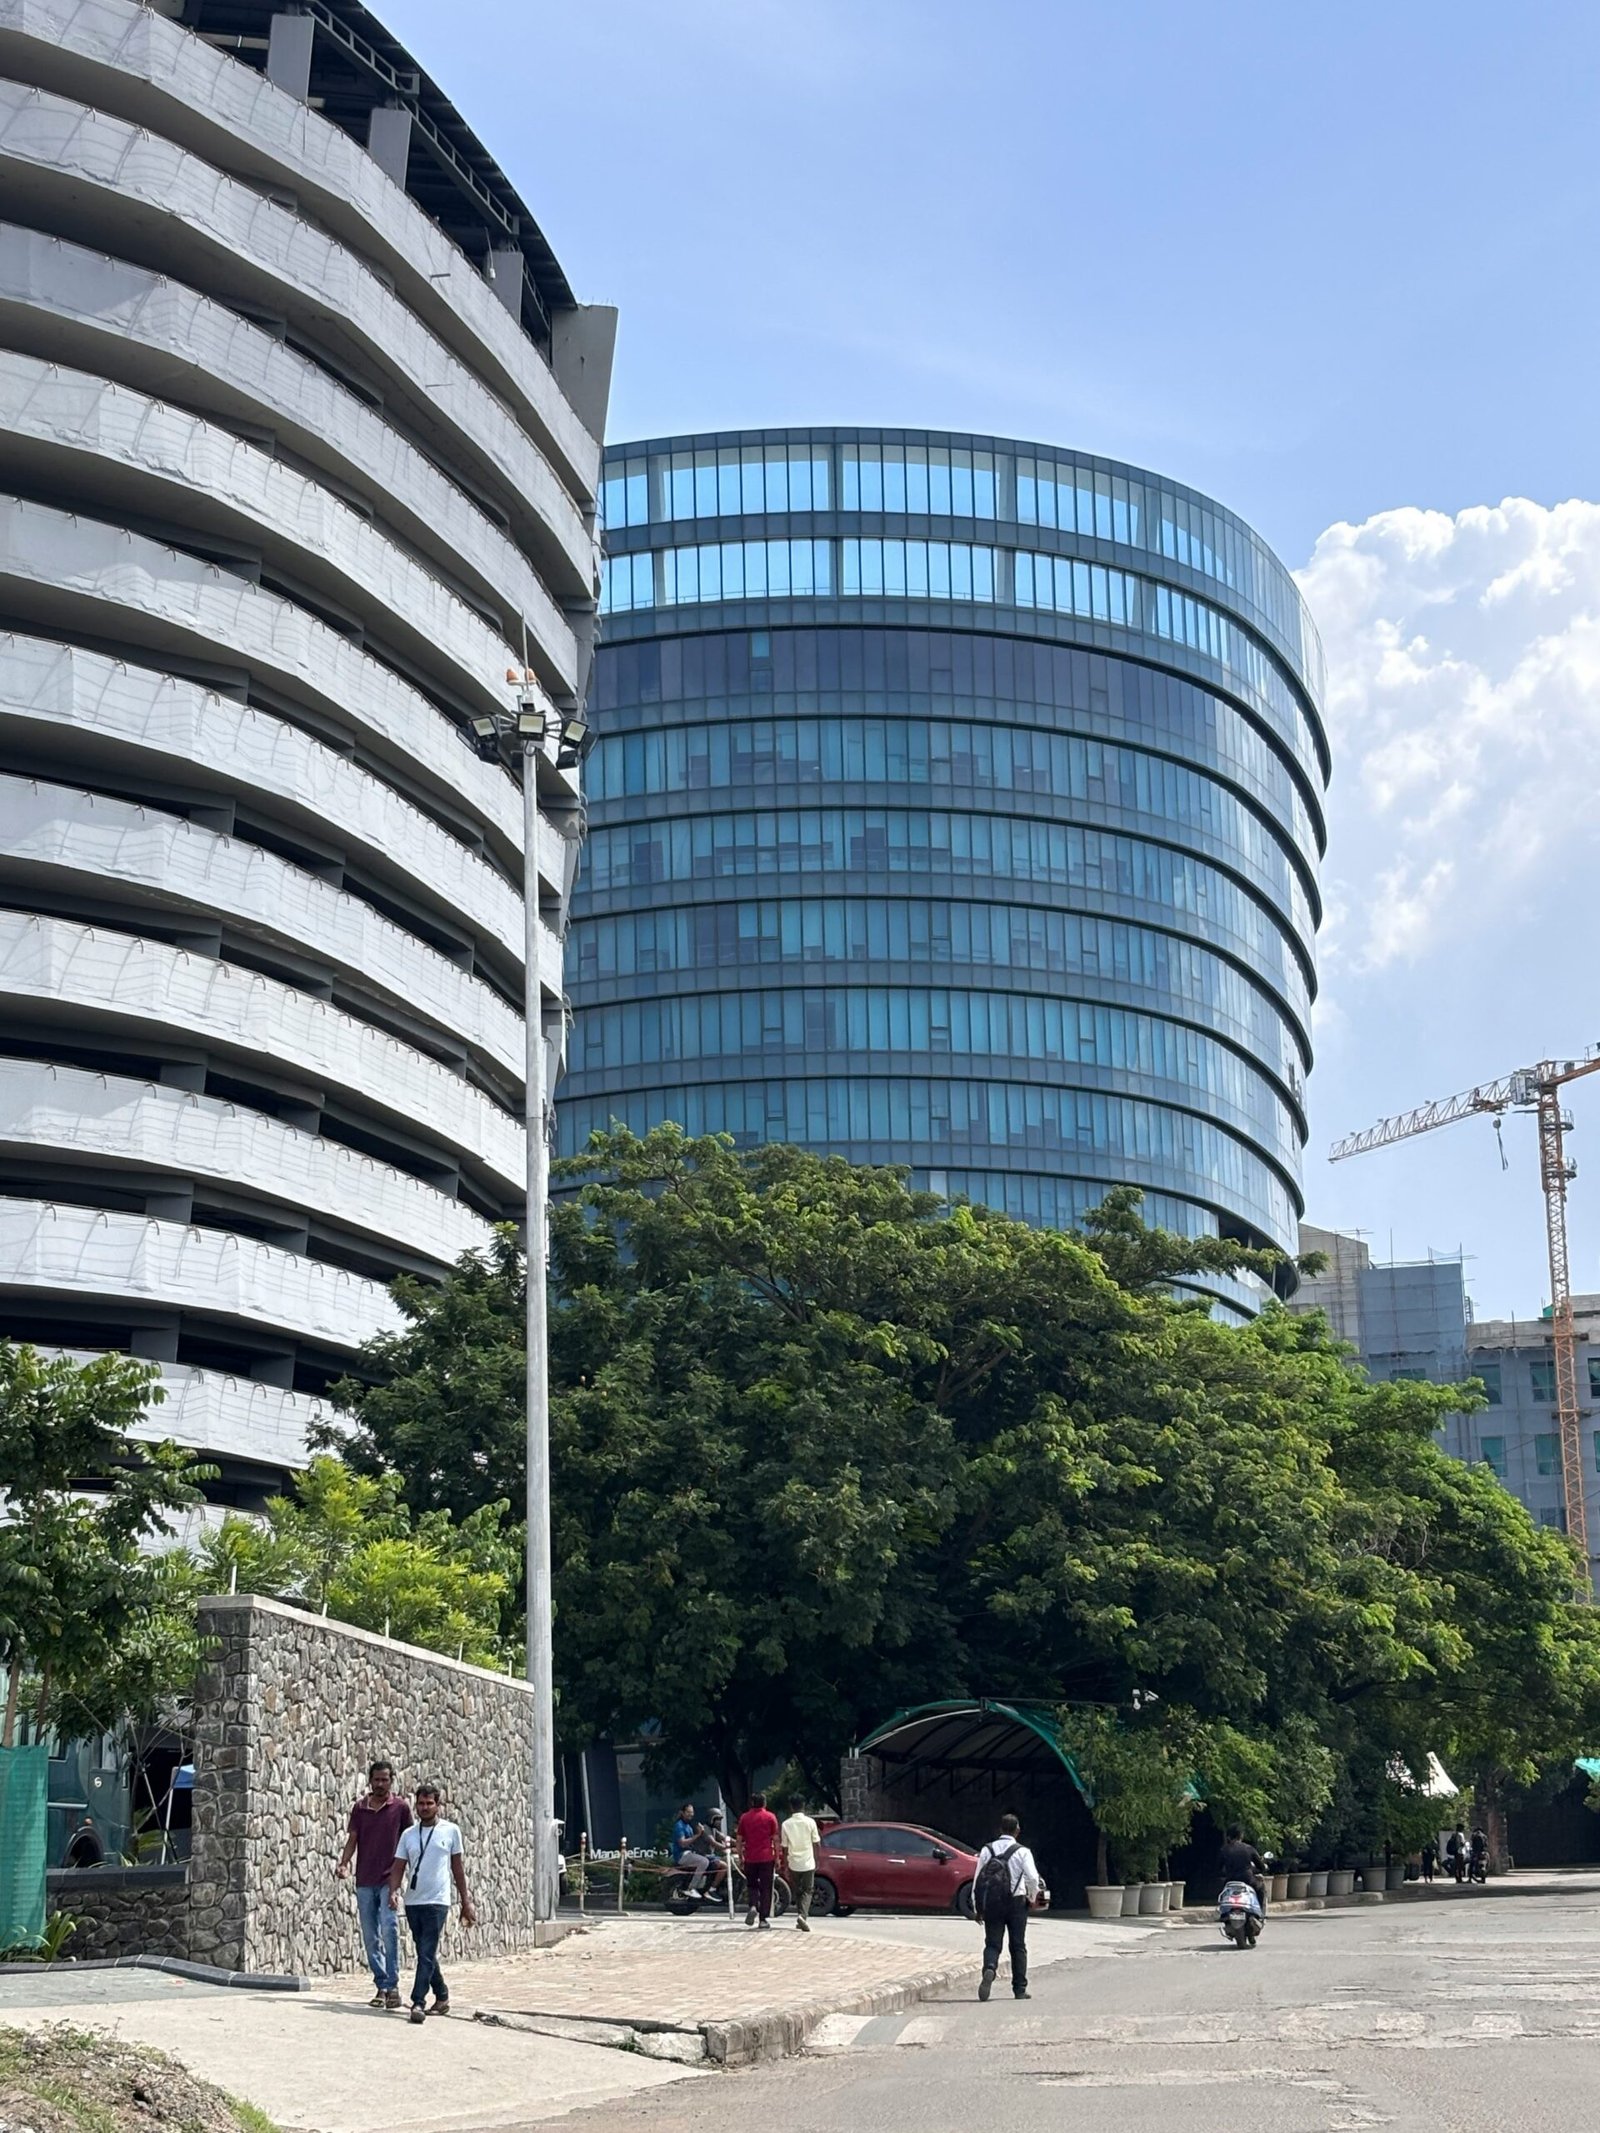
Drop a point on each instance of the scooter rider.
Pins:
(692, 1851)
(1240, 1861)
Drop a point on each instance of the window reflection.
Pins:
(946, 481)
(786, 753)
(886, 841)
(1147, 1142)
(1122, 506)
(1019, 941)
(917, 570)
(960, 1025)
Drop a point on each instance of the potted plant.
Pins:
(1133, 1774)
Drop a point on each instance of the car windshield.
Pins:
(953, 1844)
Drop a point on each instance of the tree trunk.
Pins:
(1102, 1859)
(1489, 1815)
(8, 1730)
(42, 1705)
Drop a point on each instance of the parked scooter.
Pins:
(1239, 1914)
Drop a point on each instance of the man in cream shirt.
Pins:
(798, 1838)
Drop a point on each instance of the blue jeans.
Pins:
(427, 1922)
(380, 1938)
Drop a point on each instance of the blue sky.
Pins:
(1334, 265)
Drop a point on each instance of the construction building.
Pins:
(300, 423)
(1413, 1319)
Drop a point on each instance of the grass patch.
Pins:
(65, 2080)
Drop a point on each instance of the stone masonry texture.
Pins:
(289, 1710)
(140, 1910)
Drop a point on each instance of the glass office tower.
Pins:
(956, 803)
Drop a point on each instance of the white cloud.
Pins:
(1464, 716)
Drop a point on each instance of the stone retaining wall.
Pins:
(136, 1910)
(289, 1710)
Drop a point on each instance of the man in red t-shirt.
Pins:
(757, 1839)
(374, 1831)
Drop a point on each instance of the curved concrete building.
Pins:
(299, 448)
(956, 803)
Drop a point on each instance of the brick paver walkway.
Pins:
(685, 1972)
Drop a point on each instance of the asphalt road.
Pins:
(1481, 2017)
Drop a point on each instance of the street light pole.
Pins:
(541, 1658)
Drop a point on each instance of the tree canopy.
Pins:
(86, 1631)
(823, 1446)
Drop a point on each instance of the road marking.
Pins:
(849, 2032)
(836, 2032)
(1183, 2077)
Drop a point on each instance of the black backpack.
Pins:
(992, 1890)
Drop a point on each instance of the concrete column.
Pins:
(506, 280)
(389, 140)
(583, 342)
(289, 54)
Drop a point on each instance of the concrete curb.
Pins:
(749, 2040)
(200, 1973)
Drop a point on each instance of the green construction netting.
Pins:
(23, 1775)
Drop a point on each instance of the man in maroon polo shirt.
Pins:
(375, 1826)
(757, 1839)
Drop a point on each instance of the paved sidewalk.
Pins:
(697, 1992)
(318, 2065)
(704, 1988)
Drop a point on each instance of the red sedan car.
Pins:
(892, 1865)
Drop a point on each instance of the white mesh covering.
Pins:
(56, 689)
(126, 319)
(88, 843)
(247, 494)
(204, 1409)
(62, 1252)
(51, 143)
(237, 111)
(117, 984)
(110, 1122)
(129, 584)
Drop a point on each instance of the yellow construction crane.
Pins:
(1536, 1089)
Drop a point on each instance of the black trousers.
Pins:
(427, 1922)
(1008, 1922)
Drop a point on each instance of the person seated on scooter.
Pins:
(1240, 1861)
(715, 1839)
(691, 1853)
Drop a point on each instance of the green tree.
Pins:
(78, 1600)
(441, 1403)
(346, 1544)
(822, 1446)
(1136, 1771)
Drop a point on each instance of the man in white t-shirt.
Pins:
(428, 1861)
(798, 1839)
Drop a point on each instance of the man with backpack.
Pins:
(1006, 1885)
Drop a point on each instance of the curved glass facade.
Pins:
(955, 803)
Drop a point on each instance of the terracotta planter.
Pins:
(1154, 1898)
(1341, 1881)
(1130, 1899)
(1318, 1885)
(1105, 1902)
(1279, 1886)
(1175, 1896)
(1299, 1886)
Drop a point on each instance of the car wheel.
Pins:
(824, 1898)
(963, 1902)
